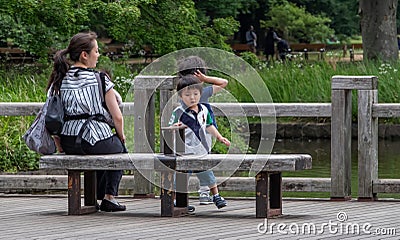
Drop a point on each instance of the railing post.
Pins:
(367, 141)
(166, 109)
(322, 51)
(143, 139)
(305, 54)
(341, 136)
(145, 87)
(340, 141)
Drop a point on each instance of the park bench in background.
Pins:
(238, 48)
(307, 49)
(149, 54)
(15, 55)
(114, 50)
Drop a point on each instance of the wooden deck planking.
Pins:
(33, 217)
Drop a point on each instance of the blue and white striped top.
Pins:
(80, 94)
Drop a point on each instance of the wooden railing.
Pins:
(340, 112)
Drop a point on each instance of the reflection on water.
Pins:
(320, 150)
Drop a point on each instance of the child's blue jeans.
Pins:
(206, 178)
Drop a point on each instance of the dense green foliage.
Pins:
(171, 25)
(343, 13)
(295, 23)
(212, 9)
(38, 26)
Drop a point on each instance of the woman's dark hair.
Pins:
(190, 82)
(81, 42)
(190, 65)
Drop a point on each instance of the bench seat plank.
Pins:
(146, 161)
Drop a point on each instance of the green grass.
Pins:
(23, 84)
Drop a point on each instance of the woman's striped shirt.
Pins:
(80, 94)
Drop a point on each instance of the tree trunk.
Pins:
(378, 29)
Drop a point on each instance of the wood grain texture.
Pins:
(147, 161)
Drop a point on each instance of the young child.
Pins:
(194, 65)
(198, 120)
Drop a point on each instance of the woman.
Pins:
(270, 40)
(85, 131)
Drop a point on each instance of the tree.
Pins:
(37, 26)
(167, 25)
(297, 24)
(170, 25)
(221, 9)
(378, 29)
(343, 13)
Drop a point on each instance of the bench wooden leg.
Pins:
(275, 194)
(268, 194)
(182, 196)
(74, 192)
(167, 194)
(261, 195)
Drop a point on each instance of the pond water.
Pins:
(320, 150)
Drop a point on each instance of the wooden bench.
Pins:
(268, 180)
(15, 55)
(240, 47)
(149, 54)
(308, 48)
(114, 50)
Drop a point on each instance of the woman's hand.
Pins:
(122, 138)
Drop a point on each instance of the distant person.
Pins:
(270, 39)
(283, 49)
(398, 42)
(251, 39)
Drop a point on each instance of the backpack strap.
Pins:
(193, 124)
(97, 117)
(101, 80)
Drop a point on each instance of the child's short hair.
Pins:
(190, 65)
(190, 82)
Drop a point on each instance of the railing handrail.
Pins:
(234, 109)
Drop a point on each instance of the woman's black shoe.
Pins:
(108, 206)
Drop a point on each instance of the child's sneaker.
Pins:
(219, 201)
(205, 198)
(190, 208)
